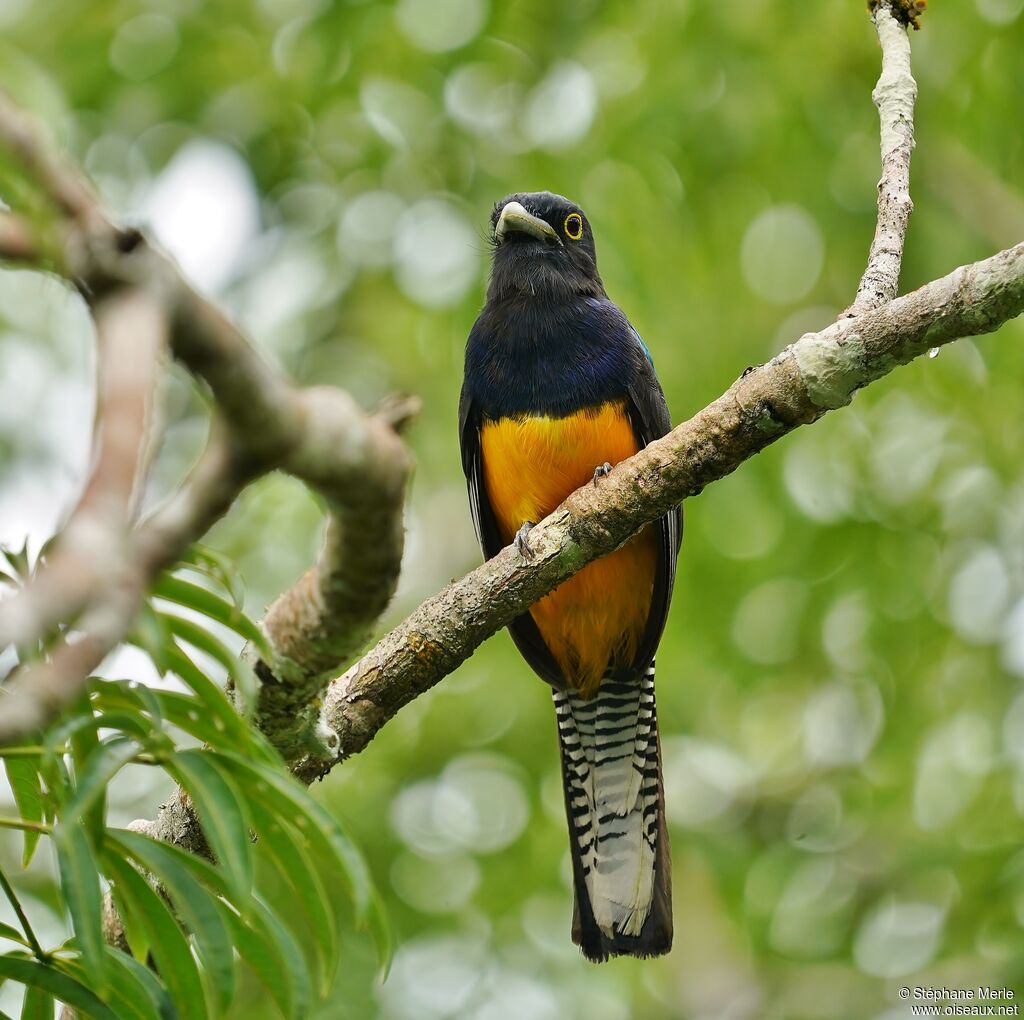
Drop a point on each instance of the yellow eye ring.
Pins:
(573, 226)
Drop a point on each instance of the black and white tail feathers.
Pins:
(611, 770)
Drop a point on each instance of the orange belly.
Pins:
(596, 619)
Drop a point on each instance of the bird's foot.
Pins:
(522, 541)
(601, 470)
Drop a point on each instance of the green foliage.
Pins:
(185, 918)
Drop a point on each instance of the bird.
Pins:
(558, 388)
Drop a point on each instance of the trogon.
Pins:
(558, 388)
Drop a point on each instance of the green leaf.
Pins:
(8, 931)
(220, 812)
(144, 988)
(261, 938)
(380, 930)
(80, 886)
(167, 942)
(112, 698)
(275, 958)
(33, 974)
(38, 1005)
(23, 775)
(134, 936)
(199, 637)
(135, 993)
(220, 568)
(196, 907)
(286, 798)
(189, 714)
(96, 773)
(202, 600)
(286, 849)
(212, 697)
(84, 741)
(150, 634)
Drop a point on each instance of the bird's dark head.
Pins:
(543, 247)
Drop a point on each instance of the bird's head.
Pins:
(543, 247)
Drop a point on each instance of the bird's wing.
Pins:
(650, 417)
(523, 630)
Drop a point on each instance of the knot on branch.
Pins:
(398, 410)
(906, 12)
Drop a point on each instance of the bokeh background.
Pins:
(840, 686)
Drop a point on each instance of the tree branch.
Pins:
(817, 373)
(354, 461)
(67, 188)
(39, 691)
(894, 95)
(131, 332)
(360, 467)
(17, 241)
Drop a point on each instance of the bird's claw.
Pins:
(522, 541)
(601, 470)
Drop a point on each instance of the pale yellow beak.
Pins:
(515, 219)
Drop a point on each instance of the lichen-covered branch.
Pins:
(817, 373)
(894, 95)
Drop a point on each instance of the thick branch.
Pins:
(894, 95)
(357, 463)
(817, 373)
(360, 467)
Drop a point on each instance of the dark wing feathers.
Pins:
(649, 414)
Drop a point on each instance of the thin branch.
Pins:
(39, 691)
(894, 95)
(17, 239)
(131, 333)
(817, 373)
(12, 898)
(61, 182)
(24, 825)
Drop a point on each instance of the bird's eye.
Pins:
(573, 226)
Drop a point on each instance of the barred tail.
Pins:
(611, 771)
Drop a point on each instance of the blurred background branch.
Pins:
(16, 241)
(93, 582)
(91, 554)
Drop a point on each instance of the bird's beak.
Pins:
(515, 219)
